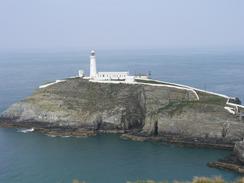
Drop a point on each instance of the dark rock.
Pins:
(228, 166)
(235, 100)
(239, 151)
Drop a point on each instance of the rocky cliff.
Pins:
(140, 109)
(145, 110)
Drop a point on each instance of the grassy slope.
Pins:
(205, 100)
(77, 93)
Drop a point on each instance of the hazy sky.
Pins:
(120, 24)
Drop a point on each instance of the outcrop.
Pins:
(141, 111)
(234, 162)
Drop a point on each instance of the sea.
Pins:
(32, 157)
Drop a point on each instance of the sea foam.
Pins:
(25, 130)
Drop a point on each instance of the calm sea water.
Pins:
(32, 157)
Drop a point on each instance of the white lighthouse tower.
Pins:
(93, 65)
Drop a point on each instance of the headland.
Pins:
(138, 108)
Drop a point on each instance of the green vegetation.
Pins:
(194, 180)
(211, 99)
(203, 96)
(176, 107)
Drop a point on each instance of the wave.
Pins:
(51, 135)
(65, 136)
(26, 130)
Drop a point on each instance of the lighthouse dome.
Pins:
(93, 53)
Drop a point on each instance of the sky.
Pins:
(121, 24)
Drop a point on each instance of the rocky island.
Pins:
(139, 109)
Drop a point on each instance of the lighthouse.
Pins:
(93, 65)
(107, 76)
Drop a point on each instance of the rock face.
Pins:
(234, 161)
(136, 108)
(239, 151)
